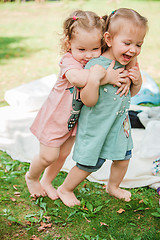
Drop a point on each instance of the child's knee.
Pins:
(47, 159)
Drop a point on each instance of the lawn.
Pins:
(29, 49)
(30, 34)
(100, 216)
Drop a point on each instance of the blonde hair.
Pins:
(117, 18)
(84, 19)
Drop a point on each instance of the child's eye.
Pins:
(94, 49)
(127, 43)
(81, 49)
(139, 45)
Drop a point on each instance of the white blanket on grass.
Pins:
(17, 140)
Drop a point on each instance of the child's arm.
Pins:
(90, 93)
(135, 76)
(99, 76)
(77, 77)
(89, 81)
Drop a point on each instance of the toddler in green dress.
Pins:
(104, 130)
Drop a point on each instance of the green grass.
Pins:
(30, 34)
(97, 218)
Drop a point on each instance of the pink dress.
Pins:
(50, 125)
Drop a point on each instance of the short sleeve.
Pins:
(91, 63)
(68, 62)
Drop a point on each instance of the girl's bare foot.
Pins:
(50, 190)
(34, 187)
(119, 193)
(68, 198)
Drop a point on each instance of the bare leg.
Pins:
(117, 173)
(47, 185)
(51, 172)
(46, 156)
(73, 179)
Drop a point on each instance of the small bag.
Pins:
(76, 105)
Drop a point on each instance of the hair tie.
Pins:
(113, 12)
(75, 18)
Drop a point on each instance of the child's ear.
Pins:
(108, 39)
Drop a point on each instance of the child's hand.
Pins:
(136, 78)
(113, 77)
(135, 75)
(124, 89)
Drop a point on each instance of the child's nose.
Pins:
(88, 55)
(132, 49)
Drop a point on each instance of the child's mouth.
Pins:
(85, 61)
(126, 57)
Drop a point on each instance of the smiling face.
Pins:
(126, 44)
(85, 45)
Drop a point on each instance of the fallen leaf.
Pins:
(34, 237)
(121, 210)
(104, 224)
(44, 225)
(28, 223)
(87, 220)
(48, 218)
(141, 201)
(112, 208)
(13, 199)
(85, 208)
(15, 187)
(104, 186)
(139, 216)
(41, 228)
(94, 229)
(17, 194)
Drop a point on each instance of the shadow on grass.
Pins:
(10, 48)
